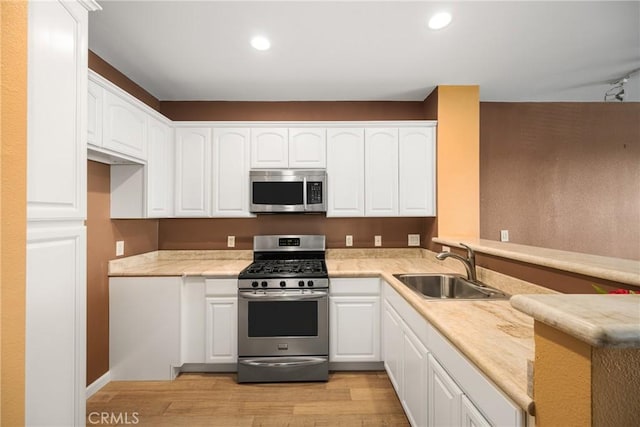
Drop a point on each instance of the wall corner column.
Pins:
(458, 160)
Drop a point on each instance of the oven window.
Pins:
(277, 193)
(283, 319)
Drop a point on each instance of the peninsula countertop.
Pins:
(497, 338)
(611, 321)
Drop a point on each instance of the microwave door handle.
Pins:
(304, 193)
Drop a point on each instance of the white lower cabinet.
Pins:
(471, 417)
(443, 396)
(414, 381)
(221, 320)
(392, 346)
(354, 320)
(221, 330)
(436, 385)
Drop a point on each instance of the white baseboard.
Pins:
(98, 384)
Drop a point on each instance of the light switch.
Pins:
(119, 247)
(231, 241)
(413, 240)
(348, 241)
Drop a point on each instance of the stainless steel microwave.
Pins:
(288, 190)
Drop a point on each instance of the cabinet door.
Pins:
(345, 172)
(307, 148)
(414, 382)
(231, 172)
(443, 397)
(381, 172)
(56, 111)
(160, 167)
(392, 346)
(354, 329)
(269, 148)
(222, 330)
(55, 356)
(193, 172)
(417, 168)
(471, 417)
(95, 93)
(124, 127)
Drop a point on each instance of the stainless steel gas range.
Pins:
(283, 311)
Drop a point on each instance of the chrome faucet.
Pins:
(469, 262)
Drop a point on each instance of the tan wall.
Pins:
(562, 379)
(102, 233)
(458, 160)
(562, 175)
(13, 215)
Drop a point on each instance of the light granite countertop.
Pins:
(611, 321)
(614, 269)
(497, 338)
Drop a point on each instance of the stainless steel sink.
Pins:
(448, 287)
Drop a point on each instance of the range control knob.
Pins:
(283, 283)
(301, 283)
(310, 283)
(264, 284)
(254, 284)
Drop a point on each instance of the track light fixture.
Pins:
(616, 91)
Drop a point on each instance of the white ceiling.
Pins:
(381, 50)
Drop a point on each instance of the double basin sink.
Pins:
(449, 287)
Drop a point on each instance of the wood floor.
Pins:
(347, 399)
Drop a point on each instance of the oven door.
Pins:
(278, 322)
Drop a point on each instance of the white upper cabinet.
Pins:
(345, 172)
(160, 170)
(230, 172)
(193, 172)
(417, 176)
(95, 94)
(124, 126)
(56, 111)
(269, 148)
(308, 148)
(381, 172)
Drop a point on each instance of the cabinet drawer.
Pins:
(221, 286)
(355, 286)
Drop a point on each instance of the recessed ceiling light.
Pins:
(440, 20)
(260, 43)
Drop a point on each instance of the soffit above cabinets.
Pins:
(359, 50)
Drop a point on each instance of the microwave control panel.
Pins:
(314, 192)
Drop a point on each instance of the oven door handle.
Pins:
(288, 362)
(283, 297)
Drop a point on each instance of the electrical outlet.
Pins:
(446, 249)
(504, 235)
(413, 240)
(348, 241)
(231, 241)
(120, 248)
(377, 241)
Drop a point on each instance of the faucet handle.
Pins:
(471, 255)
